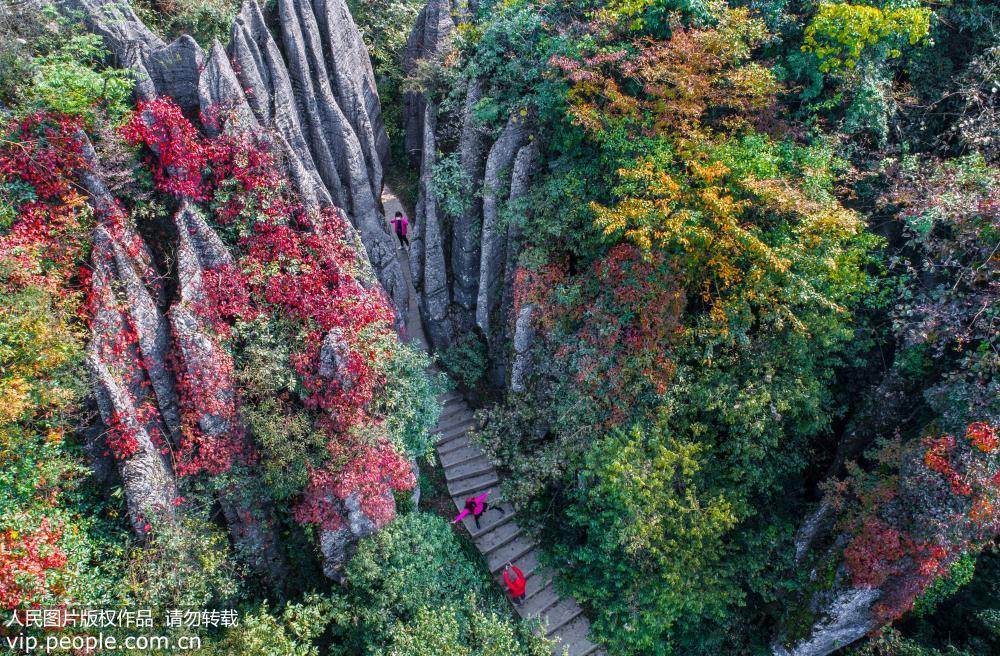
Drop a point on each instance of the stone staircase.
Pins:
(468, 472)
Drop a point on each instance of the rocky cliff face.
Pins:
(309, 84)
(463, 265)
(316, 92)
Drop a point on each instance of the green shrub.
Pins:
(466, 358)
(203, 20)
(71, 80)
(412, 570)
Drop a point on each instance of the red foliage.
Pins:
(291, 265)
(983, 436)
(122, 437)
(179, 156)
(947, 506)
(874, 553)
(42, 153)
(44, 150)
(371, 472)
(212, 437)
(622, 323)
(25, 563)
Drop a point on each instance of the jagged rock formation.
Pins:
(198, 354)
(337, 545)
(525, 166)
(463, 266)
(134, 388)
(427, 259)
(316, 95)
(845, 616)
(524, 336)
(493, 248)
(427, 40)
(465, 245)
(219, 88)
(333, 359)
(124, 318)
(326, 117)
(842, 613)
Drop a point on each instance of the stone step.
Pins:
(467, 470)
(488, 521)
(573, 637)
(454, 444)
(451, 395)
(460, 419)
(516, 548)
(460, 455)
(472, 487)
(537, 604)
(453, 430)
(452, 409)
(532, 570)
(448, 441)
(498, 536)
(560, 615)
(538, 580)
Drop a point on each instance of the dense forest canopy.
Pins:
(720, 280)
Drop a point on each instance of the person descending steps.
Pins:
(477, 507)
(517, 585)
(468, 472)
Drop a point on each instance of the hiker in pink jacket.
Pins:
(477, 507)
(400, 224)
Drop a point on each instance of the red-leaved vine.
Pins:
(295, 266)
(26, 562)
(912, 528)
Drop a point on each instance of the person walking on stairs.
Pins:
(515, 585)
(477, 507)
(400, 224)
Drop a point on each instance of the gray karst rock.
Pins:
(336, 147)
(470, 271)
(316, 95)
(318, 111)
(198, 354)
(337, 545)
(844, 617)
(133, 265)
(427, 259)
(465, 249)
(354, 84)
(334, 359)
(297, 93)
(221, 96)
(493, 247)
(175, 70)
(815, 525)
(268, 89)
(122, 387)
(198, 248)
(524, 337)
(126, 36)
(525, 165)
(428, 39)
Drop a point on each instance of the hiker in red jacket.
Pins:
(477, 507)
(515, 585)
(400, 224)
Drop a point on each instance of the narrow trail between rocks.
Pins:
(468, 472)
